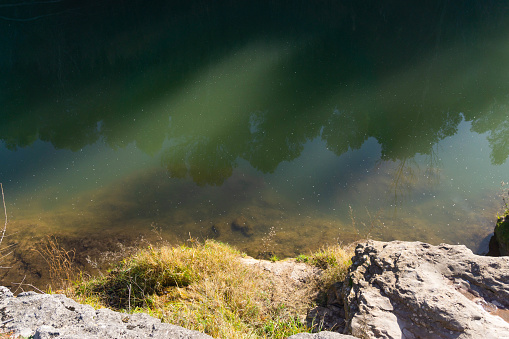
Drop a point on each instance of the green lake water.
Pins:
(311, 122)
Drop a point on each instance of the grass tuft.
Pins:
(334, 260)
(202, 287)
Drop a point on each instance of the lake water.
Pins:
(277, 127)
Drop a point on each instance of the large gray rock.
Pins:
(55, 316)
(415, 290)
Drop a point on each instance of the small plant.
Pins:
(283, 329)
(274, 258)
(374, 222)
(62, 269)
(504, 197)
(7, 248)
(302, 258)
(335, 261)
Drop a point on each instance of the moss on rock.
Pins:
(502, 235)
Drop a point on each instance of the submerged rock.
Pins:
(241, 224)
(55, 316)
(213, 232)
(415, 290)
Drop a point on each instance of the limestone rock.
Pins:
(415, 290)
(55, 316)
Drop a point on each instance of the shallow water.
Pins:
(316, 124)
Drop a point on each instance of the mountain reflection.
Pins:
(208, 84)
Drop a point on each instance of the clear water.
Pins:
(316, 123)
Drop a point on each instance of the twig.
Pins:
(129, 300)
(3, 256)
(5, 211)
(20, 284)
(7, 247)
(29, 285)
(6, 321)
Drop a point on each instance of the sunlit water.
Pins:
(332, 130)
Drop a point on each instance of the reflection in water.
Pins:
(118, 118)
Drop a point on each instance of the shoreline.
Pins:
(338, 305)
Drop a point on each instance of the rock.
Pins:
(330, 315)
(294, 283)
(213, 232)
(502, 236)
(415, 290)
(288, 271)
(241, 224)
(325, 318)
(55, 316)
(321, 335)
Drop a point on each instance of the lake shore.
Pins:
(213, 288)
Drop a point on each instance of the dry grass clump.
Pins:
(202, 287)
(60, 261)
(334, 260)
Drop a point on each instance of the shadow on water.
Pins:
(195, 114)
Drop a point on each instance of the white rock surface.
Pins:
(56, 316)
(415, 290)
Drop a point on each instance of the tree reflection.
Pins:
(341, 71)
(495, 121)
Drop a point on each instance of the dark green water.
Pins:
(314, 122)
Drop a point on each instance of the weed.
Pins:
(374, 222)
(505, 197)
(5, 211)
(2, 250)
(60, 261)
(334, 260)
(201, 286)
(282, 329)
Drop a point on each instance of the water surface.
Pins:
(310, 123)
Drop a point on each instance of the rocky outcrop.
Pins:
(42, 316)
(415, 290)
